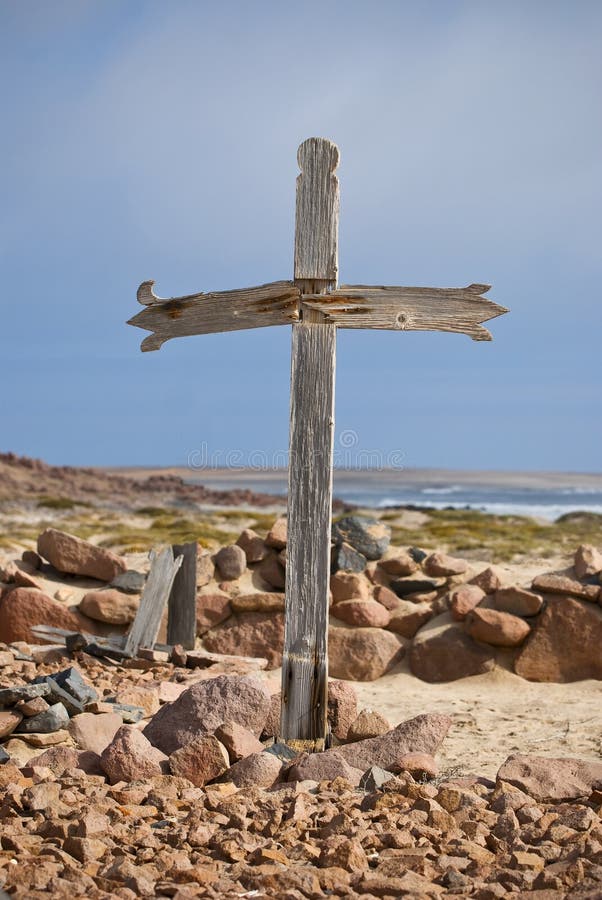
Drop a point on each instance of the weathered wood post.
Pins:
(305, 660)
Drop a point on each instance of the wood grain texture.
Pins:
(305, 658)
(459, 310)
(276, 303)
(145, 626)
(181, 606)
(317, 219)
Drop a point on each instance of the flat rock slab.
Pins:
(550, 780)
(10, 696)
(370, 537)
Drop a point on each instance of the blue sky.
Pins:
(158, 140)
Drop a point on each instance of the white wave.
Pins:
(450, 489)
(548, 511)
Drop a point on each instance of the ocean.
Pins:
(540, 495)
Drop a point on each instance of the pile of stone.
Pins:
(196, 800)
(448, 619)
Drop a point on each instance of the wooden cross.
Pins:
(315, 306)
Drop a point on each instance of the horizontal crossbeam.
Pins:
(269, 304)
(460, 310)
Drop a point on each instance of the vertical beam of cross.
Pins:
(305, 659)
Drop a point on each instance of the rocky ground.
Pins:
(466, 760)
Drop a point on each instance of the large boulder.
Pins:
(206, 705)
(22, 608)
(442, 651)
(362, 654)
(552, 780)
(75, 556)
(565, 643)
(368, 536)
(249, 634)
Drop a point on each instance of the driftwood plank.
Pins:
(459, 310)
(145, 626)
(303, 721)
(269, 304)
(181, 606)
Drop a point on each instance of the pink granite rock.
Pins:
(94, 732)
(131, 757)
(238, 741)
(257, 770)
(205, 706)
(364, 613)
(200, 761)
(551, 780)
(464, 599)
(249, 634)
(362, 654)
(75, 556)
(440, 564)
(500, 629)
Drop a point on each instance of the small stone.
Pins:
(368, 724)
(563, 584)
(10, 696)
(238, 741)
(231, 562)
(517, 601)
(57, 759)
(9, 719)
(398, 563)
(374, 778)
(54, 718)
(441, 565)
(211, 609)
(277, 535)
(499, 629)
(4, 756)
(94, 732)
(343, 852)
(131, 757)
(324, 767)
(85, 850)
(368, 536)
(488, 580)
(342, 708)
(362, 654)
(588, 561)
(129, 582)
(349, 586)
(344, 558)
(464, 599)
(408, 618)
(129, 714)
(202, 760)
(168, 691)
(366, 613)
(253, 546)
(110, 605)
(257, 770)
(32, 707)
(205, 567)
(6, 658)
(386, 597)
(281, 751)
(145, 698)
(70, 680)
(267, 601)
(421, 766)
(75, 556)
(272, 572)
(409, 587)
(205, 706)
(31, 558)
